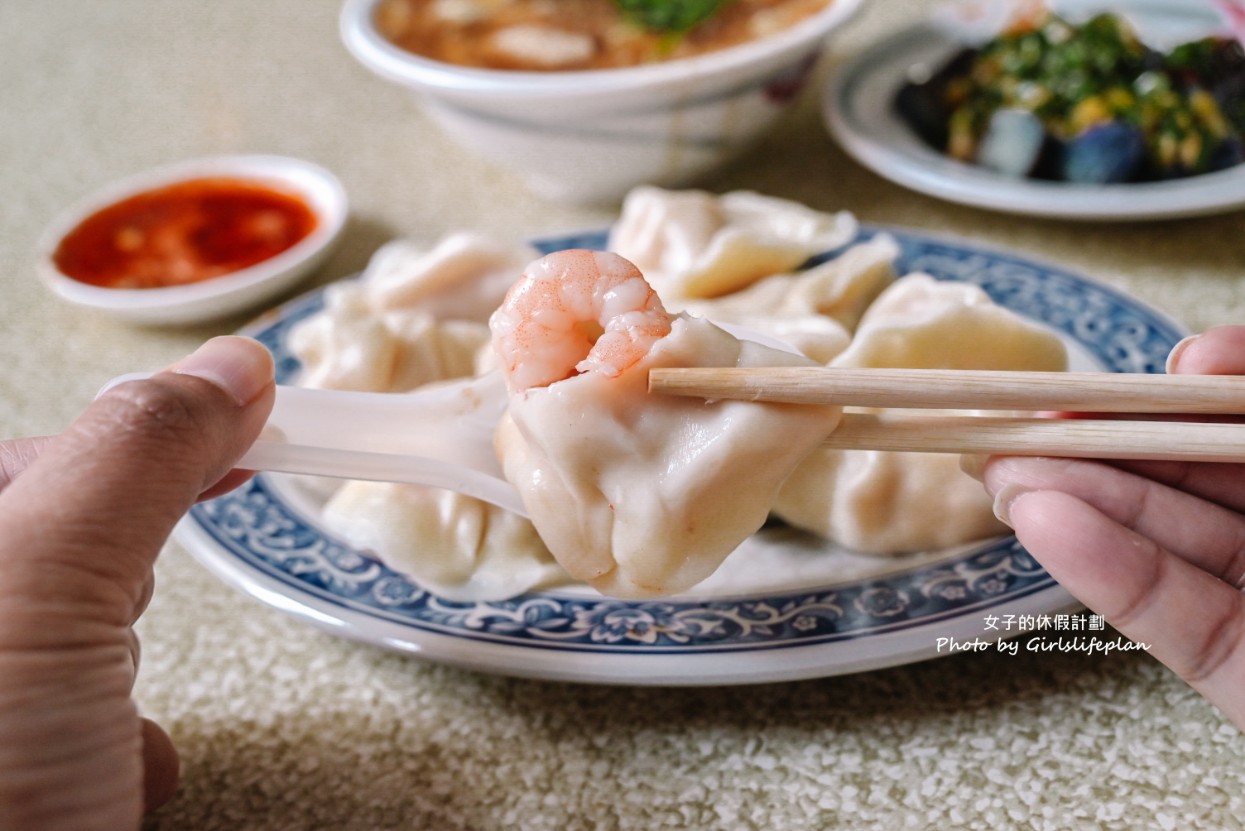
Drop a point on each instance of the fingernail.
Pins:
(974, 464)
(241, 367)
(1005, 498)
(1174, 355)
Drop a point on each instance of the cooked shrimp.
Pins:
(572, 312)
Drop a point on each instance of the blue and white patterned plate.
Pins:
(271, 546)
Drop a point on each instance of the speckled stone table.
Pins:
(281, 726)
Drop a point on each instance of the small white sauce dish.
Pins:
(220, 296)
(589, 136)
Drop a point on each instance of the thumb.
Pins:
(103, 496)
(1219, 350)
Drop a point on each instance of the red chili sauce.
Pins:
(183, 233)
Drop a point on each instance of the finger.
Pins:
(1208, 536)
(1217, 351)
(135, 647)
(228, 482)
(16, 455)
(103, 496)
(1191, 621)
(1220, 483)
(161, 766)
(147, 591)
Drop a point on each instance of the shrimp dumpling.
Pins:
(920, 322)
(461, 548)
(890, 503)
(887, 503)
(414, 316)
(814, 310)
(694, 244)
(635, 494)
(348, 346)
(462, 277)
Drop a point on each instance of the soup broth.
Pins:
(549, 35)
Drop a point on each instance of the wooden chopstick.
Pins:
(1068, 437)
(949, 389)
(897, 389)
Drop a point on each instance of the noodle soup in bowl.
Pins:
(589, 135)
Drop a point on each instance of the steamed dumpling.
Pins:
(692, 244)
(458, 547)
(893, 503)
(845, 286)
(924, 323)
(887, 503)
(413, 317)
(463, 277)
(350, 347)
(814, 310)
(635, 494)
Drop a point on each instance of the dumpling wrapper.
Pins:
(453, 545)
(891, 503)
(463, 277)
(641, 495)
(693, 244)
(814, 310)
(413, 317)
(887, 503)
(920, 322)
(348, 346)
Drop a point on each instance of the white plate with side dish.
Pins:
(267, 541)
(858, 106)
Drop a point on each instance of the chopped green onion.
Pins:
(670, 16)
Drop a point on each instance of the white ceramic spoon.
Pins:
(441, 436)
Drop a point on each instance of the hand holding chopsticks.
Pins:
(995, 390)
(1156, 549)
